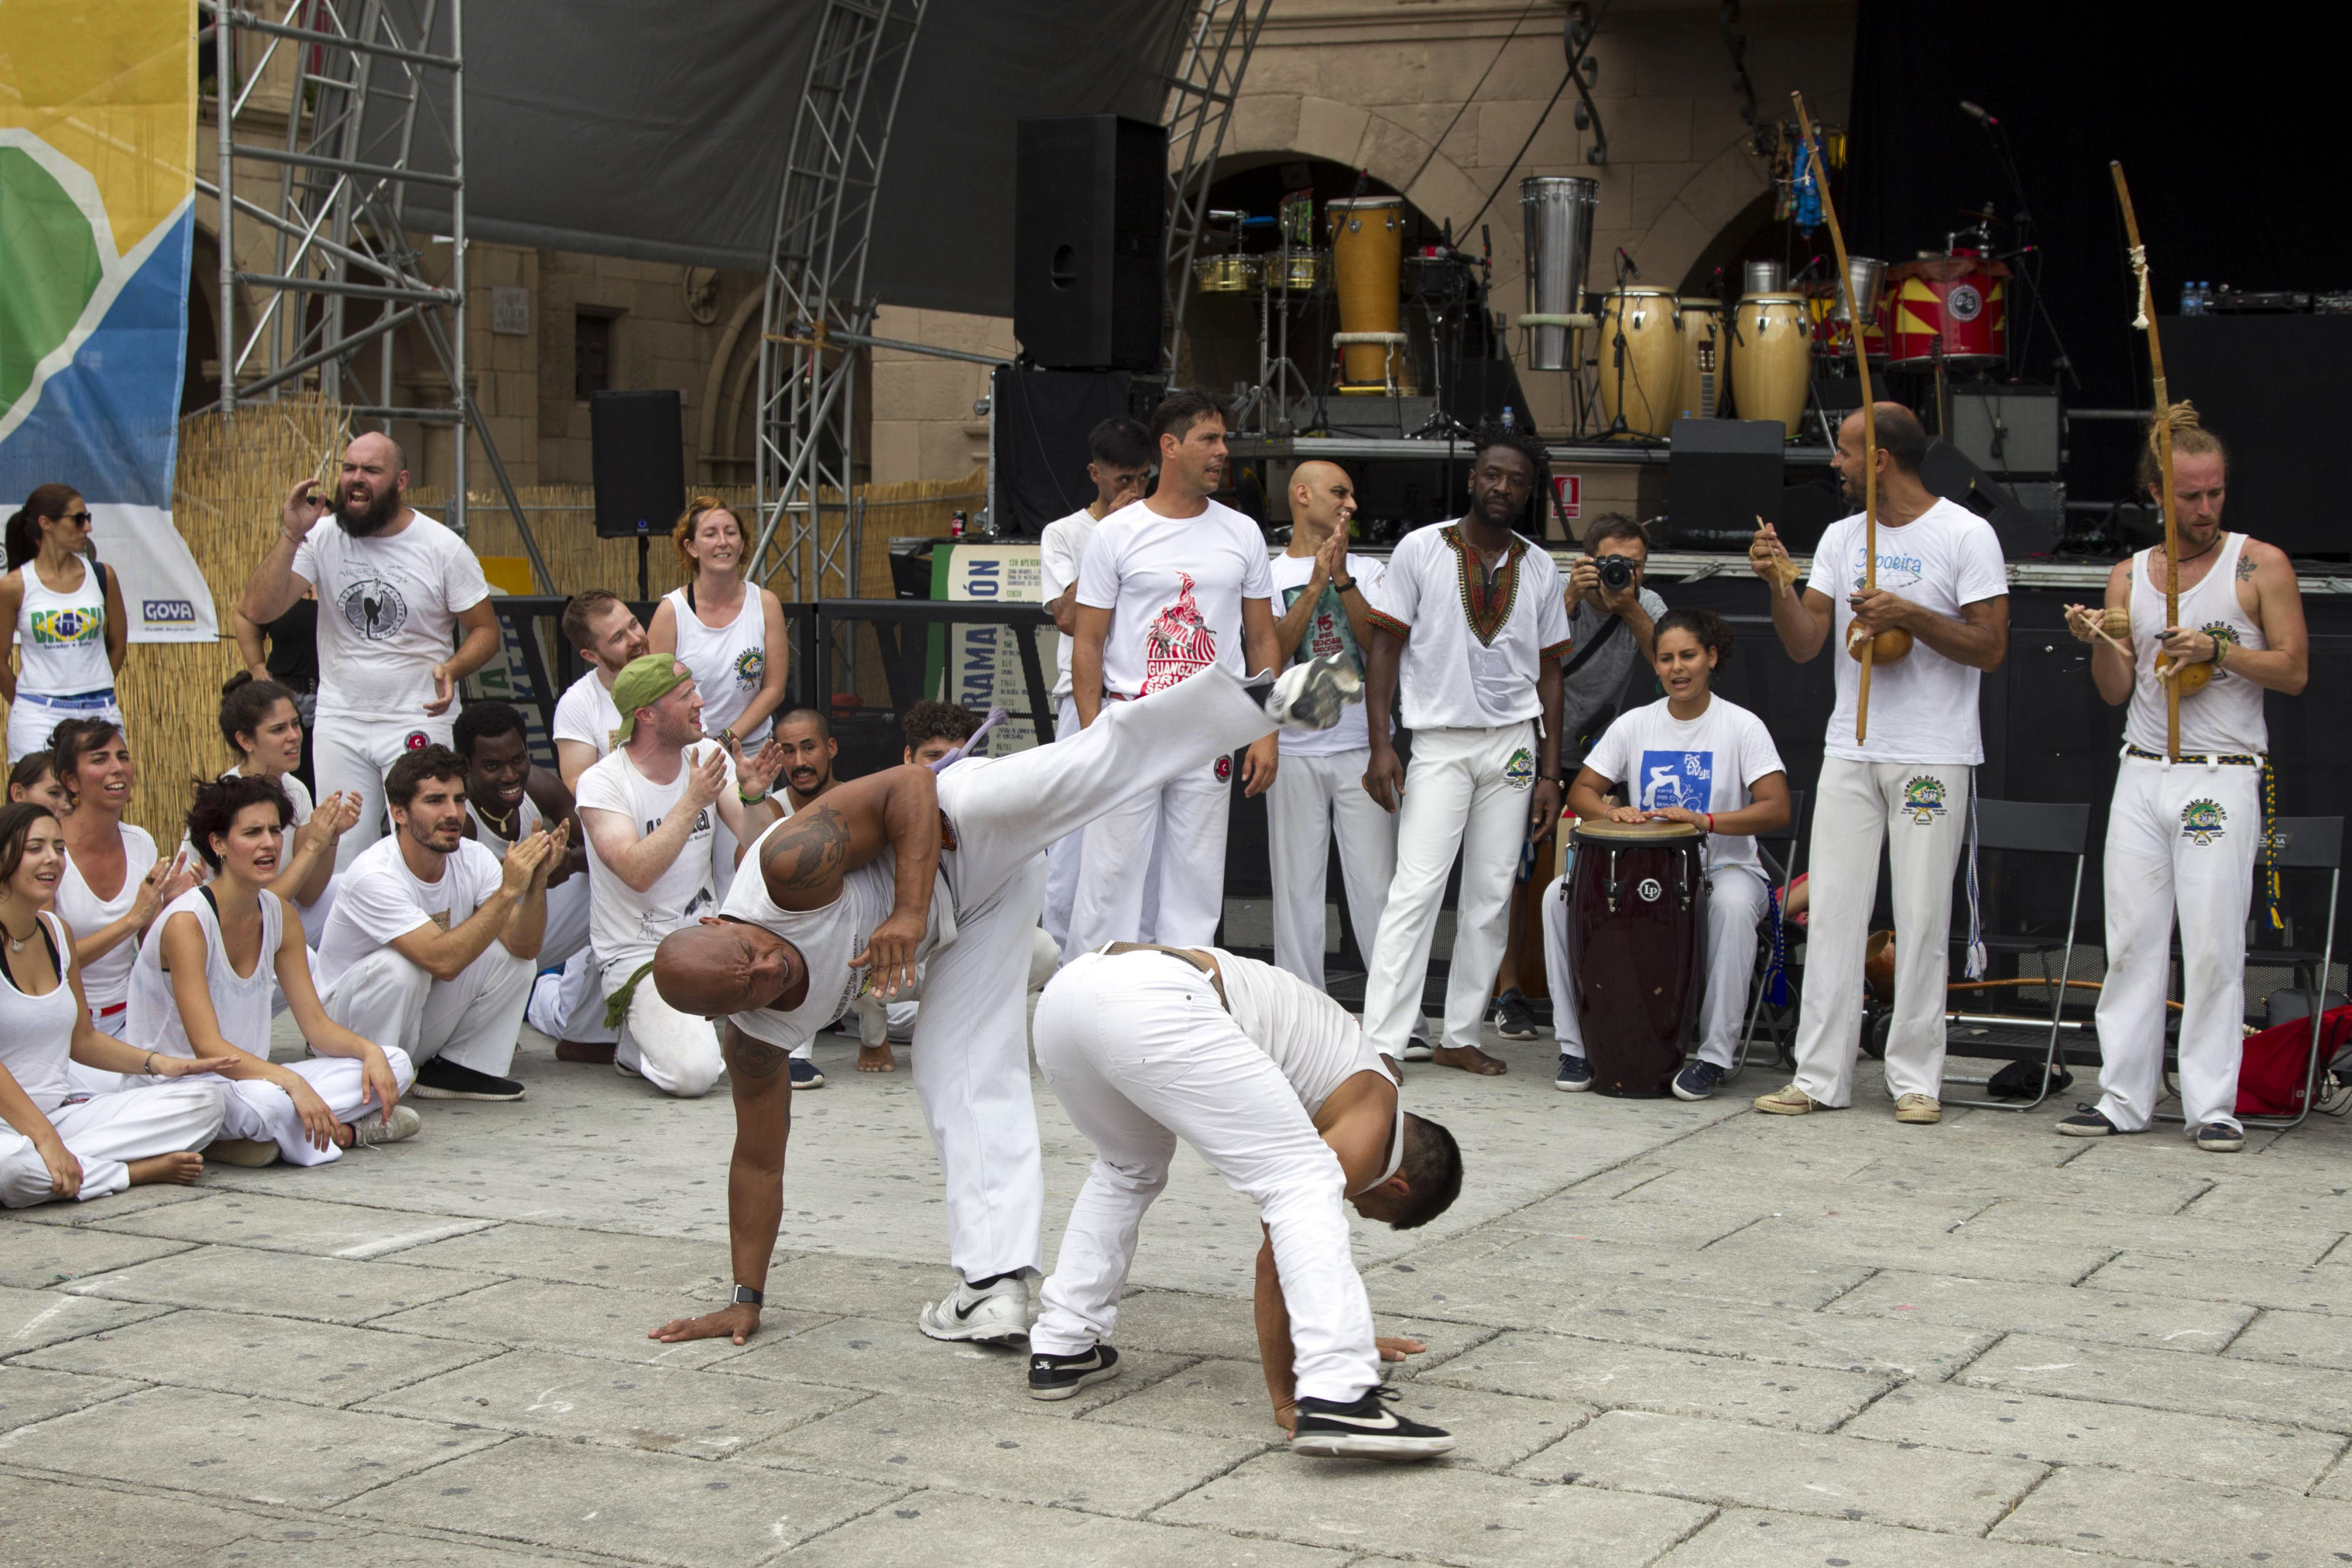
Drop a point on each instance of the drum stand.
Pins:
(1275, 369)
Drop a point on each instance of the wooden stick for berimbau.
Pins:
(2146, 322)
(1869, 412)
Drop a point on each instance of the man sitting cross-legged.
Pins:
(905, 868)
(1277, 1087)
(648, 810)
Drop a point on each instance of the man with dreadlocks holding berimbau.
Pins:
(1470, 618)
(2185, 833)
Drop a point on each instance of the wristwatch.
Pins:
(745, 1296)
(1347, 587)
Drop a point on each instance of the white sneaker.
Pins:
(1416, 1048)
(991, 1314)
(374, 1130)
(1312, 694)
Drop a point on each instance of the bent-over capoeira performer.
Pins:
(907, 868)
(1278, 1089)
(2184, 834)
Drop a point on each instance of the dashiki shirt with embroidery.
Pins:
(1474, 638)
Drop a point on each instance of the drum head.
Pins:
(1600, 829)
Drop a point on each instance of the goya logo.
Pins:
(750, 666)
(2201, 820)
(1520, 770)
(1924, 799)
(63, 628)
(169, 611)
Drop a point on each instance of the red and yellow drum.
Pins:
(1637, 944)
(1961, 297)
(1834, 334)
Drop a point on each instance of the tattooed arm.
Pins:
(755, 1182)
(804, 860)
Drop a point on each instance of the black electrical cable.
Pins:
(1430, 156)
(1512, 167)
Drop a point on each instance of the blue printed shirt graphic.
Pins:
(1683, 779)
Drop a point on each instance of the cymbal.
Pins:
(1984, 215)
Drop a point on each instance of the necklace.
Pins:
(504, 826)
(16, 943)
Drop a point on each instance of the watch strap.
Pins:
(745, 1296)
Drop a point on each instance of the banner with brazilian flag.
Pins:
(98, 143)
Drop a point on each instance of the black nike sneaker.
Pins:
(1059, 1376)
(1365, 1429)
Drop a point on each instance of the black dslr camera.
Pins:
(1616, 572)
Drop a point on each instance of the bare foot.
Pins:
(181, 1168)
(588, 1050)
(738, 1322)
(878, 1058)
(1469, 1059)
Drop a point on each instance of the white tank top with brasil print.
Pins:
(61, 637)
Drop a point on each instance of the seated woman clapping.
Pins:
(201, 985)
(50, 1149)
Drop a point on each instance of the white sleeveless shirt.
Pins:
(61, 637)
(2225, 717)
(526, 821)
(729, 661)
(106, 982)
(36, 1032)
(240, 1002)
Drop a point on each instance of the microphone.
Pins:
(1977, 111)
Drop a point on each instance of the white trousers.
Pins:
(572, 1005)
(2182, 838)
(971, 1039)
(30, 724)
(265, 1114)
(1152, 868)
(1919, 810)
(1737, 898)
(676, 1052)
(105, 1133)
(1062, 860)
(567, 922)
(474, 1020)
(351, 753)
(1457, 798)
(1313, 799)
(1140, 1054)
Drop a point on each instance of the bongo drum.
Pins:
(1368, 262)
(1641, 345)
(1637, 897)
(1706, 367)
(1228, 274)
(1772, 359)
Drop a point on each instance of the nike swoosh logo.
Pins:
(963, 1313)
(1385, 1423)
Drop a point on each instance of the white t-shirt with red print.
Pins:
(1174, 587)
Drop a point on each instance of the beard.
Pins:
(373, 518)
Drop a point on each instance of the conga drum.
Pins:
(1367, 263)
(1640, 338)
(1772, 358)
(1637, 942)
(1705, 366)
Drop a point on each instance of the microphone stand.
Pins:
(1997, 134)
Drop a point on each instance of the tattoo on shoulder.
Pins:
(808, 851)
(2246, 567)
(752, 1059)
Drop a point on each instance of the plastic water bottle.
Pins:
(1506, 417)
(2188, 302)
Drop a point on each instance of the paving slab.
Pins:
(131, 1200)
(1608, 1376)
(1528, 1285)
(273, 1358)
(2081, 1432)
(2174, 1521)
(263, 1451)
(28, 1396)
(56, 1524)
(2321, 1288)
(391, 1549)
(1018, 1457)
(658, 1409)
(617, 1261)
(2157, 1192)
(33, 1256)
(2163, 1380)
(2117, 1317)
(2322, 1202)
(1647, 1224)
(650, 1507)
(2307, 1339)
(1183, 1322)
(1731, 1464)
(1744, 1538)
(288, 1224)
(885, 1356)
(580, 1320)
(238, 1280)
(1451, 1514)
(30, 1319)
(2172, 1235)
(1847, 1342)
(1794, 1189)
(1971, 1251)
(928, 1528)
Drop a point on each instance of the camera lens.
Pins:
(1616, 572)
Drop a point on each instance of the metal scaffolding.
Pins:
(817, 312)
(1204, 76)
(373, 109)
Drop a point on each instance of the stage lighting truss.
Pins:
(1211, 53)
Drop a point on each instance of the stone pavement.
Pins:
(1687, 1335)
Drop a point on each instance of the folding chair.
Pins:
(2303, 844)
(2025, 827)
(1780, 1025)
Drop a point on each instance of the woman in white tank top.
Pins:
(730, 634)
(262, 723)
(204, 983)
(66, 613)
(112, 888)
(52, 1144)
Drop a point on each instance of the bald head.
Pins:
(371, 493)
(1322, 500)
(721, 967)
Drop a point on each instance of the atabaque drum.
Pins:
(1960, 297)
(1772, 358)
(1637, 945)
(1228, 274)
(1707, 368)
(1367, 262)
(1640, 338)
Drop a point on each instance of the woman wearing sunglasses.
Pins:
(66, 612)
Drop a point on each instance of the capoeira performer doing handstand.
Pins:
(1281, 1093)
(1690, 757)
(906, 868)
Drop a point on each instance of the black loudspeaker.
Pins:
(639, 460)
(2267, 386)
(1482, 389)
(1087, 241)
(1042, 418)
(1721, 476)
